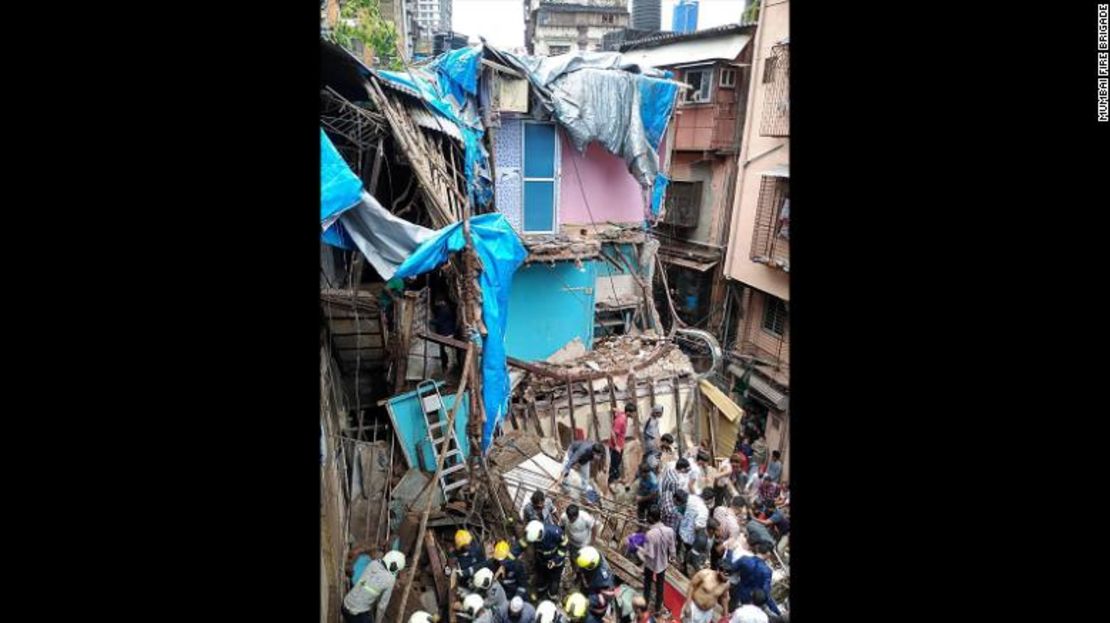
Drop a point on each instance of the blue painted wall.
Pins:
(614, 251)
(413, 429)
(550, 306)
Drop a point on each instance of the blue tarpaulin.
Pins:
(658, 191)
(657, 99)
(501, 253)
(460, 71)
(340, 190)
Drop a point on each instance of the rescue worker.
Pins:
(369, 597)
(582, 609)
(518, 611)
(475, 607)
(594, 571)
(469, 556)
(509, 570)
(422, 617)
(550, 556)
(490, 589)
(748, 614)
(548, 612)
(580, 456)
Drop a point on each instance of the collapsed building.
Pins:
(487, 296)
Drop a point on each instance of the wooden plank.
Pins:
(573, 422)
(593, 410)
(435, 561)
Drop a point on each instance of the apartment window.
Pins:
(774, 316)
(555, 50)
(701, 83)
(776, 103)
(728, 78)
(608, 19)
(771, 235)
(541, 155)
(683, 203)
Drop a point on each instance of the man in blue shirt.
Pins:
(580, 455)
(752, 572)
(648, 491)
(774, 470)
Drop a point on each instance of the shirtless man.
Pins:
(708, 589)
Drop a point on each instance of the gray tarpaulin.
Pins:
(596, 96)
(383, 238)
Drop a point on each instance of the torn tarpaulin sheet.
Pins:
(386, 240)
(340, 189)
(498, 247)
(596, 96)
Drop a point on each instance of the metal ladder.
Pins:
(455, 473)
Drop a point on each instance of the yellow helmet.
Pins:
(501, 550)
(463, 538)
(576, 605)
(588, 558)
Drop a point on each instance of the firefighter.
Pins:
(469, 555)
(550, 556)
(490, 589)
(422, 617)
(518, 611)
(475, 607)
(369, 597)
(582, 609)
(594, 571)
(510, 571)
(548, 612)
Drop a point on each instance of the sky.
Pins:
(501, 22)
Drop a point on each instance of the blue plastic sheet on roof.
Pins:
(340, 190)
(460, 70)
(501, 253)
(658, 191)
(657, 99)
(447, 92)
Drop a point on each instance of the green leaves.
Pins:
(361, 21)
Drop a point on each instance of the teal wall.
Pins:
(550, 305)
(413, 428)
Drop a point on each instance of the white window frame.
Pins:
(699, 68)
(727, 71)
(558, 170)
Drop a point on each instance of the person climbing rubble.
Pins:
(617, 438)
(594, 571)
(692, 528)
(509, 570)
(651, 431)
(550, 556)
(368, 599)
(490, 589)
(647, 492)
(656, 555)
(469, 556)
(541, 509)
(580, 456)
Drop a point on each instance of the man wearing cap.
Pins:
(616, 439)
(469, 555)
(550, 557)
(517, 611)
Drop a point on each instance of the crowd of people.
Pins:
(718, 524)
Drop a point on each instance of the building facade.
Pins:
(703, 142)
(758, 251)
(647, 14)
(433, 15)
(553, 27)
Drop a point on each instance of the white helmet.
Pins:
(749, 614)
(483, 579)
(394, 561)
(545, 612)
(473, 604)
(533, 531)
(516, 605)
(421, 617)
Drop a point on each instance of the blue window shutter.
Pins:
(539, 201)
(539, 150)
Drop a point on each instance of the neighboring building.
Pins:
(404, 17)
(685, 17)
(447, 41)
(433, 15)
(647, 14)
(553, 27)
(613, 41)
(758, 255)
(704, 139)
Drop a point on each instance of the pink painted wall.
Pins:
(613, 193)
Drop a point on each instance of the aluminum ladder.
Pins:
(455, 473)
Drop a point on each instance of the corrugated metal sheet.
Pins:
(725, 48)
(730, 409)
(425, 119)
(688, 263)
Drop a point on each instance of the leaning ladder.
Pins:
(454, 475)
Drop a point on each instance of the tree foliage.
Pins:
(361, 21)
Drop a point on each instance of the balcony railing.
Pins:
(771, 234)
